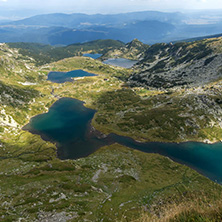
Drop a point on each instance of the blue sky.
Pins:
(107, 6)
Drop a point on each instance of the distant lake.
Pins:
(94, 56)
(68, 124)
(125, 63)
(61, 77)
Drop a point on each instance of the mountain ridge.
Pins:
(183, 64)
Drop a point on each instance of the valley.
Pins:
(114, 178)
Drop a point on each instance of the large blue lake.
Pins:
(125, 63)
(61, 77)
(68, 124)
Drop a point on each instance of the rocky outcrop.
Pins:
(133, 50)
(180, 64)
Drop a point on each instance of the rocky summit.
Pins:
(133, 50)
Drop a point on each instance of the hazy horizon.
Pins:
(16, 9)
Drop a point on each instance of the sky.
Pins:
(29, 7)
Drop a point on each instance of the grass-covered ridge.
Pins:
(46, 53)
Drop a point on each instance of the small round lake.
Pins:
(61, 77)
(68, 123)
(94, 56)
(125, 63)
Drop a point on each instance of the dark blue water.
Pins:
(61, 77)
(68, 124)
(125, 63)
(94, 56)
(204, 158)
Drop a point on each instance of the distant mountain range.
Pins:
(149, 27)
(79, 20)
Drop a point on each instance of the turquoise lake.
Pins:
(61, 77)
(125, 63)
(68, 124)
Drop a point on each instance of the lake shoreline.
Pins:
(90, 140)
(90, 130)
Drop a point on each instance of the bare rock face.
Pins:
(177, 65)
(54, 217)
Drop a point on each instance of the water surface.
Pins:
(125, 63)
(61, 77)
(68, 124)
(94, 56)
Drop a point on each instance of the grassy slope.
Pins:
(112, 184)
(114, 179)
(177, 116)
